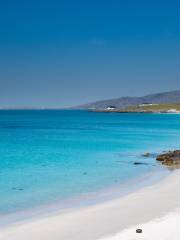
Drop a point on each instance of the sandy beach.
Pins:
(155, 209)
(163, 228)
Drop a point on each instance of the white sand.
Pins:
(100, 221)
(166, 228)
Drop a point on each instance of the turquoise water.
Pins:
(46, 156)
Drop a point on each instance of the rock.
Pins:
(171, 158)
(140, 163)
(139, 230)
(18, 189)
(146, 154)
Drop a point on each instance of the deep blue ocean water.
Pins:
(47, 156)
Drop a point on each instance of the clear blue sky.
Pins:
(63, 53)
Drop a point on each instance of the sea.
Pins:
(55, 156)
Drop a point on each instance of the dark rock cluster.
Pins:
(171, 158)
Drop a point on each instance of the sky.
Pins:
(66, 52)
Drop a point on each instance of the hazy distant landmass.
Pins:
(123, 102)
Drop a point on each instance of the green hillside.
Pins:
(152, 108)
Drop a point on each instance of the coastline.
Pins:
(105, 219)
(112, 192)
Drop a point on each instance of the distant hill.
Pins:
(123, 102)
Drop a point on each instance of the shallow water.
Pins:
(47, 156)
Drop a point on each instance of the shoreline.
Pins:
(63, 206)
(105, 219)
(139, 112)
